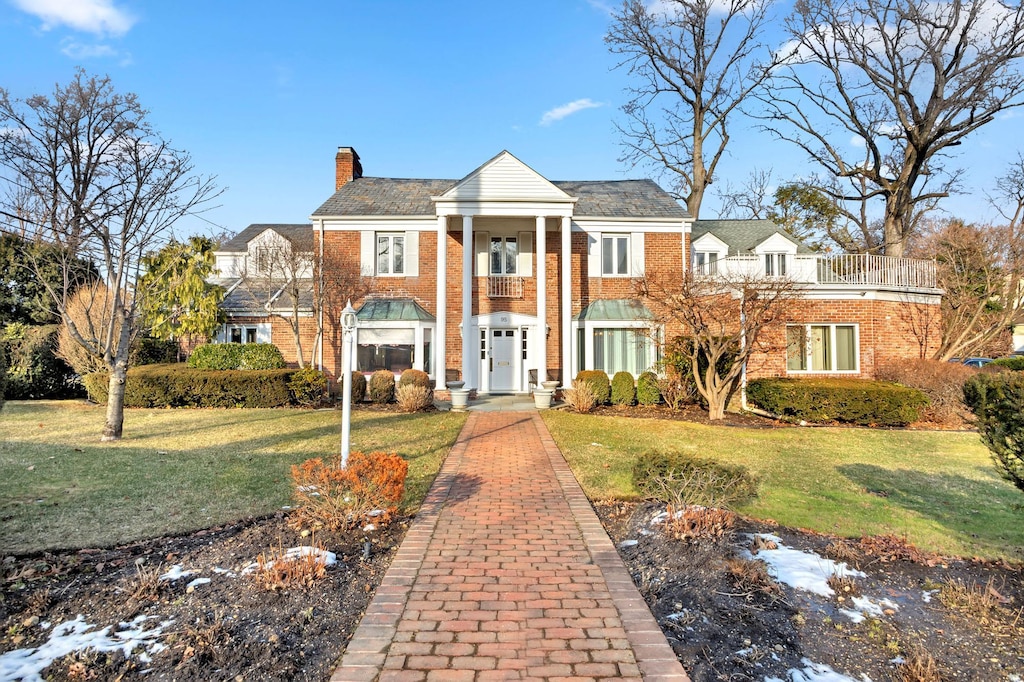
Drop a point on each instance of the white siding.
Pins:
(505, 178)
(412, 254)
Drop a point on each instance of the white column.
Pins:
(542, 300)
(442, 302)
(567, 366)
(468, 375)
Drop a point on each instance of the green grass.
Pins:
(178, 470)
(936, 488)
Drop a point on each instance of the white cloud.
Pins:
(857, 141)
(92, 16)
(558, 113)
(81, 51)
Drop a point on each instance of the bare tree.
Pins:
(695, 62)
(907, 81)
(723, 317)
(337, 283)
(982, 284)
(750, 200)
(105, 187)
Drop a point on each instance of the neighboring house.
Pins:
(500, 305)
(262, 268)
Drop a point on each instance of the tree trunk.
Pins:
(114, 424)
(716, 404)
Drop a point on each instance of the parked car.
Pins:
(977, 363)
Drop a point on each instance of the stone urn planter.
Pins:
(549, 385)
(460, 395)
(542, 398)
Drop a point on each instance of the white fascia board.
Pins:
(776, 243)
(813, 292)
(708, 242)
(381, 223)
(504, 207)
(583, 224)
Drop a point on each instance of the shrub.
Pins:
(942, 382)
(381, 388)
(149, 351)
(413, 398)
(581, 397)
(89, 309)
(249, 356)
(308, 387)
(647, 391)
(623, 390)
(682, 479)
(3, 376)
(367, 491)
(358, 387)
(998, 402)
(280, 569)
(598, 381)
(855, 401)
(677, 389)
(414, 377)
(177, 386)
(33, 368)
(1016, 363)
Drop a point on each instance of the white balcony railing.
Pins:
(504, 286)
(858, 269)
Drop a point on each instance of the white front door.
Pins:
(502, 360)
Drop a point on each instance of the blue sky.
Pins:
(263, 93)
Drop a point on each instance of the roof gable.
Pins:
(505, 177)
(744, 236)
(299, 234)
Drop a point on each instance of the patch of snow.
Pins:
(926, 595)
(1014, 678)
(872, 608)
(293, 553)
(197, 582)
(898, 660)
(628, 543)
(369, 527)
(855, 616)
(597, 445)
(224, 571)
(176, 572)
(77, 635)
(306, 488)
(375, 512)
(815, 672)
(801, 570)
(678, 615)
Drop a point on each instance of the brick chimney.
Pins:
(346, 167)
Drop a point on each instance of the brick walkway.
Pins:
(507, 574)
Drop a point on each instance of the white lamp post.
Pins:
(348, 327)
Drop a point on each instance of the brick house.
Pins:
(536, 278)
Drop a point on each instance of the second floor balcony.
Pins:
(853, 270)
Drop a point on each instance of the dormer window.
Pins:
(775, 264)
(266, 257)
(705, 262)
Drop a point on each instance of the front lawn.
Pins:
(936, 488)
(178, 470)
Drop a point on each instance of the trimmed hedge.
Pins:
(1016, 363)
(149, 351)
(177, 386)
(854, 401)
(414, 377)
(3, 376)
(358, 387)
(598, 381)
(308, 387)
(247, 356)
(647, 389)
(623, 390)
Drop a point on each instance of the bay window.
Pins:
(621, 350)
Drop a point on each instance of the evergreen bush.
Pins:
(381, 388)
(248, 356)
(177, 386)
(623, 389)
(358, 387)
(33, 369)
(647, 391)
(414, 377)
(1016, 363)
(998, 402)
(308, 387)
(599, 383)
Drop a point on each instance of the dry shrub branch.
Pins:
(369, 488)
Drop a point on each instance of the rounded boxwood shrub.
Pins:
(855, 401)
(623, 390)
(599, 383)
(261, 356)
(308, 387)
(414, 377)
(236, 356)
(647, 390)
(358, 387)
(381, 388)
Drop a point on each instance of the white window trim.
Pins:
(832, 340)
(263, 331)
(504, 239)
(776, 257)
(390, 236)
(616, 236)
(709, 258)
(419, 334)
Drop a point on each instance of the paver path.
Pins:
(507, 574)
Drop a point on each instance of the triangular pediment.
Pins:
(505, 178)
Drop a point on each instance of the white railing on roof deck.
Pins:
(858, 269)
(504, 286)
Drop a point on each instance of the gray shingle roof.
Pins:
(299, 234)
(249, 297)
(411, 197)
(743, 235)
